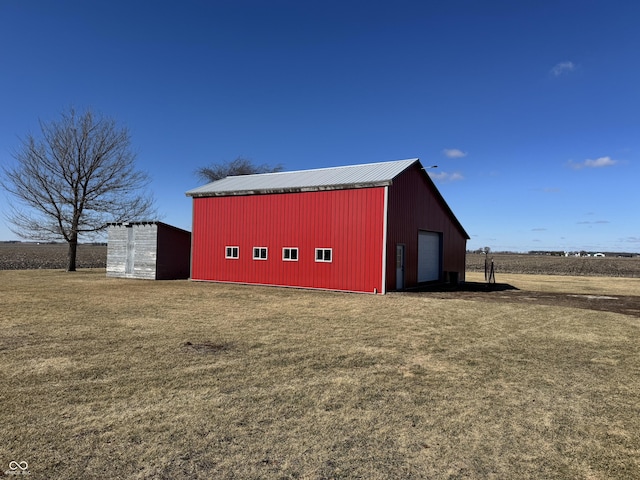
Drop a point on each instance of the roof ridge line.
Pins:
(326, 168)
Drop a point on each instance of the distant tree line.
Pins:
(554, 253)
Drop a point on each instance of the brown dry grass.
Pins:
(565, 284)
(112, 378)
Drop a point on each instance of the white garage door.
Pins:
(428, 256)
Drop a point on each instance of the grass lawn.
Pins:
(113, 378)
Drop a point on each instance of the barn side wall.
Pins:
(347, 221)
(414, 207)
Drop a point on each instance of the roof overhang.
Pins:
(370, 175)
(266, 191)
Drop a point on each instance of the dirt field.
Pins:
(31, 256)
(551, 265)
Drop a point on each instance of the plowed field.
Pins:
(550, 265)
(29, 256)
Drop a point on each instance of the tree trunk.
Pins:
(71, 256)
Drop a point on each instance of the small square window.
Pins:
(259, 253)
(323, 255)
(232, 252)
(290, 254)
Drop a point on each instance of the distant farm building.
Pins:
(361, 228)
(148, 250)
(583, 254)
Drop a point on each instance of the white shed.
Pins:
(148, 250)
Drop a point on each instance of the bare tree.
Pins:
(74, 179)
(239, 166)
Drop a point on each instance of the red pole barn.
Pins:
(359, 228)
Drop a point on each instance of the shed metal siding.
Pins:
(148, 250)
(414, 205)
(132, 251)
(350, 222)
(117, 251)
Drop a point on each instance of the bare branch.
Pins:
(239, 166)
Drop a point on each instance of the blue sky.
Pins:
(530, 109)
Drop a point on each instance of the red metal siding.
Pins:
(412, 207)
(350, 222)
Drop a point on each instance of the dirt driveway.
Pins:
(500, 292)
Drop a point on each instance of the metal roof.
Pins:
(352, 176)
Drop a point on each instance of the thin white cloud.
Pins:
(600, 162)
(562, 68)
(446, 177)
(454, 153)
(593, 163)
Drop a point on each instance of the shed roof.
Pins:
(146, 222)
(352, 176)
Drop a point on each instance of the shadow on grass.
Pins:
(464, 287)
